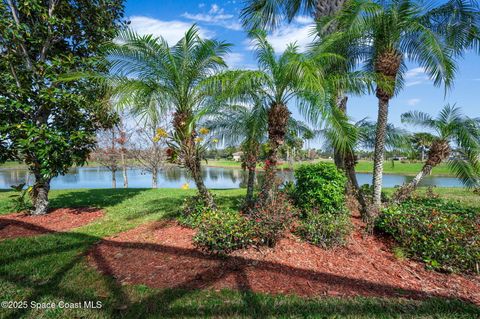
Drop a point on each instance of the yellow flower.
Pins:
(203, 130)
(215, 140)
(186, 186)
(161, 132)
(198, 140)
(156, 138)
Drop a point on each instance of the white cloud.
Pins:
(234, 60)
(415, 76)
(301, 34)
(171, 31)
(413, 102)
(215, 16)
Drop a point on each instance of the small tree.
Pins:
(47, 123)
(108, 153)
(451, 128)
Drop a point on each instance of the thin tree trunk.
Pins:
(124, 170)
(114, 179)
(353, 186)
(379, 153)
(406, 190)
(40, 195)
(154, 178)
(195, 170)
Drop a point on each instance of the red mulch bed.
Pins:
(62, 219)
(161, 255)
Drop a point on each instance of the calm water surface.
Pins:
(96, 177)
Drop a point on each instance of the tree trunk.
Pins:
(378, 155)
(195, 170)
(278, 116)
(154, 178)
(124, 170)
(353, 186)
(114, 179)
(339, 156)
(250, 185)
(325, 8)
(40, 195)
(439, 150)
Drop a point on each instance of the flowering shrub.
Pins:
(444, 234)
(319, 187)
(192, 210)
(326, 229)
(221, 232)
(272, 219)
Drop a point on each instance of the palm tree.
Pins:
(451, 129)
(289, 77)
(148, 73)
(422, 141)
(247, 125)
(387, 34)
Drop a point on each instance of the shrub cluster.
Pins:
(325, 229)
(192, 210)
(444, 234)
(271, 220)
(320, 194)
(319, 186)
(222, 232)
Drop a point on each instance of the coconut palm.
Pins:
(149, 73)
(289, 77)
(235, 124)
(452, 129)
(387, 34)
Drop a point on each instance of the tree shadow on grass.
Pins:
(24, 259)
(94, 197)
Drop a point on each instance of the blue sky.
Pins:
(219, 19)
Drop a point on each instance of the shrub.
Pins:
(222, 232)
(192, 210)
(326, 229)
(319, 187)
(444, 234)
(20, 201)
(271, 220)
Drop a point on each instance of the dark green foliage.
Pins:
(222, 232)
(444, 234)
(192, 210)
(326, 229)
(20, 200)
(272, 219)
(320, 187)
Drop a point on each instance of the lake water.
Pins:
(96, 177)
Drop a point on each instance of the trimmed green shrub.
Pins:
(321, 187)
(444, 234)
(191, 212)
(271, 220)
(326, 229)
(221, 232)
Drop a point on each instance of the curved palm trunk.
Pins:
(40, 195)
(439, 151)
(387, 65)
(278, 116)
(189, 154)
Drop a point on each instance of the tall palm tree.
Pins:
(289, 77)
(387, 34)
(149, 73)
(248, 126)
(451, 129)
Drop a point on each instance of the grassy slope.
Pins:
(52, 268)
(362, 167)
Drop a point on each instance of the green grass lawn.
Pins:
(52, 268)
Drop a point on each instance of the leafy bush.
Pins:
(192, 211)
(444, 234)
(326, 229)
(222, 232)
(319, 187)
(271, 220)
(20, 199)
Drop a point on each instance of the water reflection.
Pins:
(215, 177)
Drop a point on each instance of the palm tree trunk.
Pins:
(378, 155)
(40, 195)
(278, 116)
(325, 8)
(250, 185)
(195, 170)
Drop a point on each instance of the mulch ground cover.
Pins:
(62, 219)
(162, 255)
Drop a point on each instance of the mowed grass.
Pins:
(52, 268)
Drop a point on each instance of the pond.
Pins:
(97, 177)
